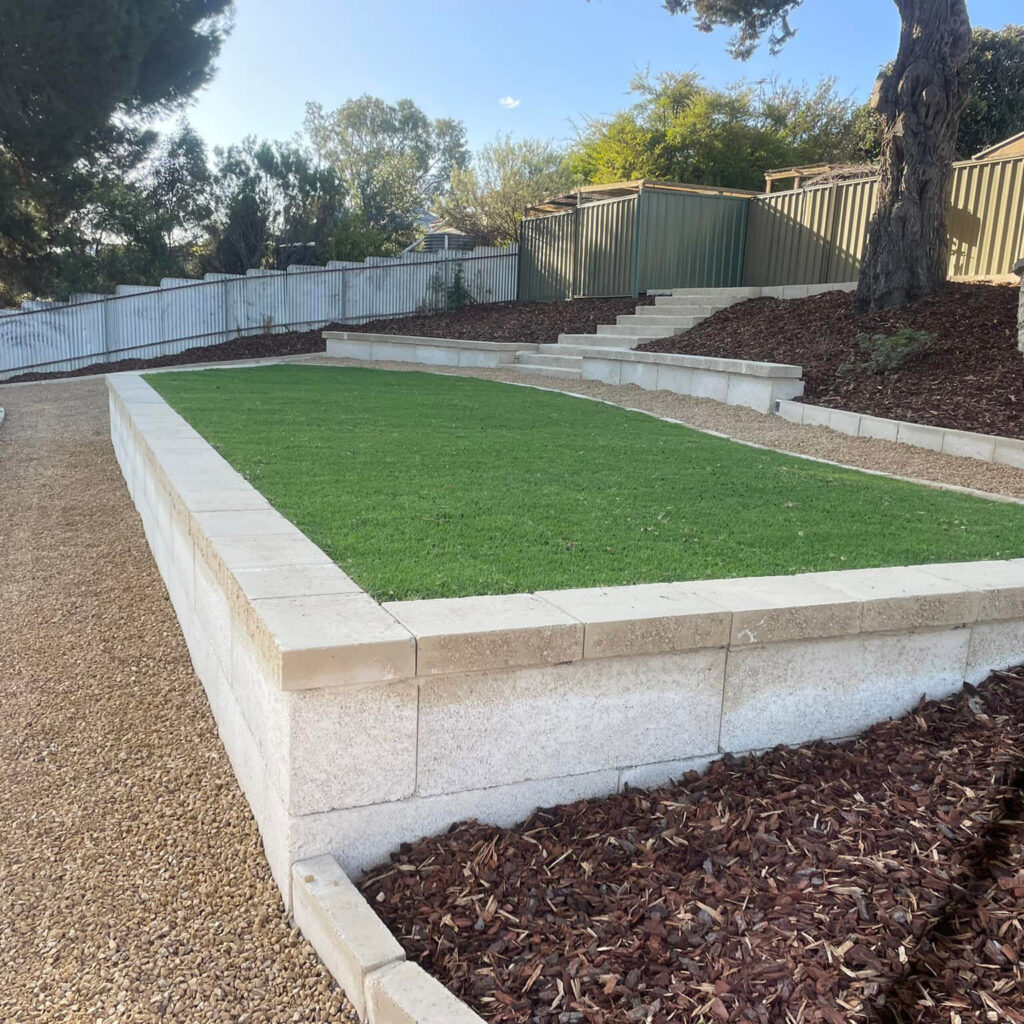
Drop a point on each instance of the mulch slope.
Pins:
(533, 323)
(518, 322)
(880, 880)
(973, 379)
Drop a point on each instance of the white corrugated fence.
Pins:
(143, 322)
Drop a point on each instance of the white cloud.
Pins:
(509, 102)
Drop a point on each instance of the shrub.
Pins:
(445, 295)
(886, 353)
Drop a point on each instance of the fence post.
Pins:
(637, 227)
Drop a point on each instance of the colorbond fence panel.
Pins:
(654, 239)
(690, 241)
(606, 247)
(547, 254)
(818, 235)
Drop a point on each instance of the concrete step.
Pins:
(659, 311)
(603, 339)
(681, 302)
(681, 323)
(719, 294)
(634, 330)
(563, 360)
(562, 349)
(550, 371)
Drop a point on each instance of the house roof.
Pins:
(1015, 143)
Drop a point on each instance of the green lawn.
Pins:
(423, 485)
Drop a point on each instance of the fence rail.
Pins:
(147, 322)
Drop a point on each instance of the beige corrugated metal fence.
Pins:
(818, 235)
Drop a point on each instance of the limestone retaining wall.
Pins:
(353, 726)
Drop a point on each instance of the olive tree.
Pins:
(918, 102)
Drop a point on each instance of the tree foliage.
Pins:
(392, 159)
(995, 74)
(274, 206)
(136, 226)
(487, 199)
(684, 130)
(77, 78)
(752, 19)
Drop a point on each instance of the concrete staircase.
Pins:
(672, 313)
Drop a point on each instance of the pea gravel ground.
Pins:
(132, 882)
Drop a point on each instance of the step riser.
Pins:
(646, 312)
(632, 330)
(621, 340)
(557, 360)
(575, 349)
(717, 294)
(549, 371)
(682, 323)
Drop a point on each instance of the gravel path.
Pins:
(747, 425)
(132, 883)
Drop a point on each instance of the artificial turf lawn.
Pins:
(424, 485)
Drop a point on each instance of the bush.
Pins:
(886, 353)
(447, 296)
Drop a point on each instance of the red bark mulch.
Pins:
(878, 880)
(971, 379)
(520, 322)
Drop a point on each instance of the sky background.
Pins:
(559, 61)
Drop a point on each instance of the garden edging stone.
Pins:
(1003, 451)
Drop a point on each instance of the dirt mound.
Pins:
(878, 880)
(971, 376)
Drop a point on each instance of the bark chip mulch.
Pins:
(879, 880)
(514, 322)
(972, 378)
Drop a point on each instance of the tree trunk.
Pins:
(919, 105)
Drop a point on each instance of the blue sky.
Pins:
(558, 61)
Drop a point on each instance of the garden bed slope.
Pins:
(882, 879)
(972, 378)
(519, 322)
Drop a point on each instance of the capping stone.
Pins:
(403, 993)
(904, 598)
(467, 634)
(655, 618)
(331, 640)
(767, 609)
(341, 926)
(1001, 586)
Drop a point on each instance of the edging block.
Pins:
(341, 926)
(404, 993)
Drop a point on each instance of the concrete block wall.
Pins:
(354, 726)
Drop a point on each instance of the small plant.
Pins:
(447, 295)
(886, 353)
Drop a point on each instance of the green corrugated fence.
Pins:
(658, 239)
(594, 249)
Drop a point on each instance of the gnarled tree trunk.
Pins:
(919, 105)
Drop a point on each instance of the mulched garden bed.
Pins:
(520, 322)
(879, 880)
(971, 379)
